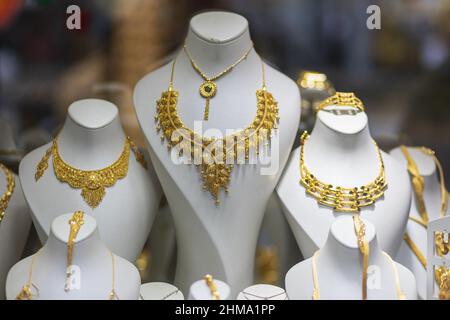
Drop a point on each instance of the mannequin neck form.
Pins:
(214, 50)
(337, 253)
(325, 140)
(85, 136)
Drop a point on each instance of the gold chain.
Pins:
(26, 292)
(75, 223)
(6, 197)
(113, 294)
(93, 183)
(316, 288)
(216, 173)
(341, 199)
(212, 287)
(208, 88)
(363, 244)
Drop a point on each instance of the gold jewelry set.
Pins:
(442, 246)
(6, 196)
(75, 223)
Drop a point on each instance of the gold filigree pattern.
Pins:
(442, 275)
(216, 173)
(6, 197)
(341, 199)
(342, 99)
(93, 183)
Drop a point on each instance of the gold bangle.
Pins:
(314, 80)
(342, 99)
(212, 287)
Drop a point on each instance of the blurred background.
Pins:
(401, 72)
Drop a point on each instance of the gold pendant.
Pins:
(207, 90)
(442, 275)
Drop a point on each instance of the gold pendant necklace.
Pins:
(10, 185)
(93, 183)
(363, 244)
(341, 199)
(75, 223)
(216, 173)
(212, 287)
(208, 88)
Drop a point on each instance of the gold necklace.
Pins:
(342, 99)
(363, 244)
(93, 183)
(75, 223)
(316, 288)
(216, 173)
(208, 88)
(418, 182)
(212, 287)
(341, 199)
(6, 197)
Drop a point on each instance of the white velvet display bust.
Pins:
(339, 269)
(262, 292)
(90, 255)
(432, 198)
(341, 152)
(220, 240)
(92, 138)
(14, 230)
(160, 291)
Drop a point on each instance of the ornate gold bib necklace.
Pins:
(93, 183)
(341, 199)
(10, 185)
(216, 173)
(208, 88)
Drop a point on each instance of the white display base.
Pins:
(14, 230)
(340, 151)
(339, 269)
(204, 244)
(199, 290)
(262, 292)
(432, 197)
(92, 138)
(91, 258)
(160, 291)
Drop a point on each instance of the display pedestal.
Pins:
(160, 291)
(199, 290)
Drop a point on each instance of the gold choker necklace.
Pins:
(216, 174)
(93, 183)
(208, 88)
(341, 199)
(10, 185)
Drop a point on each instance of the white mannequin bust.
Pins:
(14, 229)
(160, 291)
(90, 255)
(432, 198)
(339, 269)
(341, 151)
(91, 139)
(262, 292)
(216, 40)
(199, 290)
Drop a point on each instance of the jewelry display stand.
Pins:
(91, 258)
(432, 198)
(14, 229)
(220, 239)
(92, 138)
(339, 269)
(160, 291)
(199, 290)
(262, 292)
(342, 152)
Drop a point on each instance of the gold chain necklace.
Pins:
(208, 88)
(10, 185)
(26, 293)
(93, 183)
(75, 223)
(212, 287)
(341, 199)
(216, 174)
(316, 288)
(363, 244)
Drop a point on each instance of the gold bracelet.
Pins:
(212, 287)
